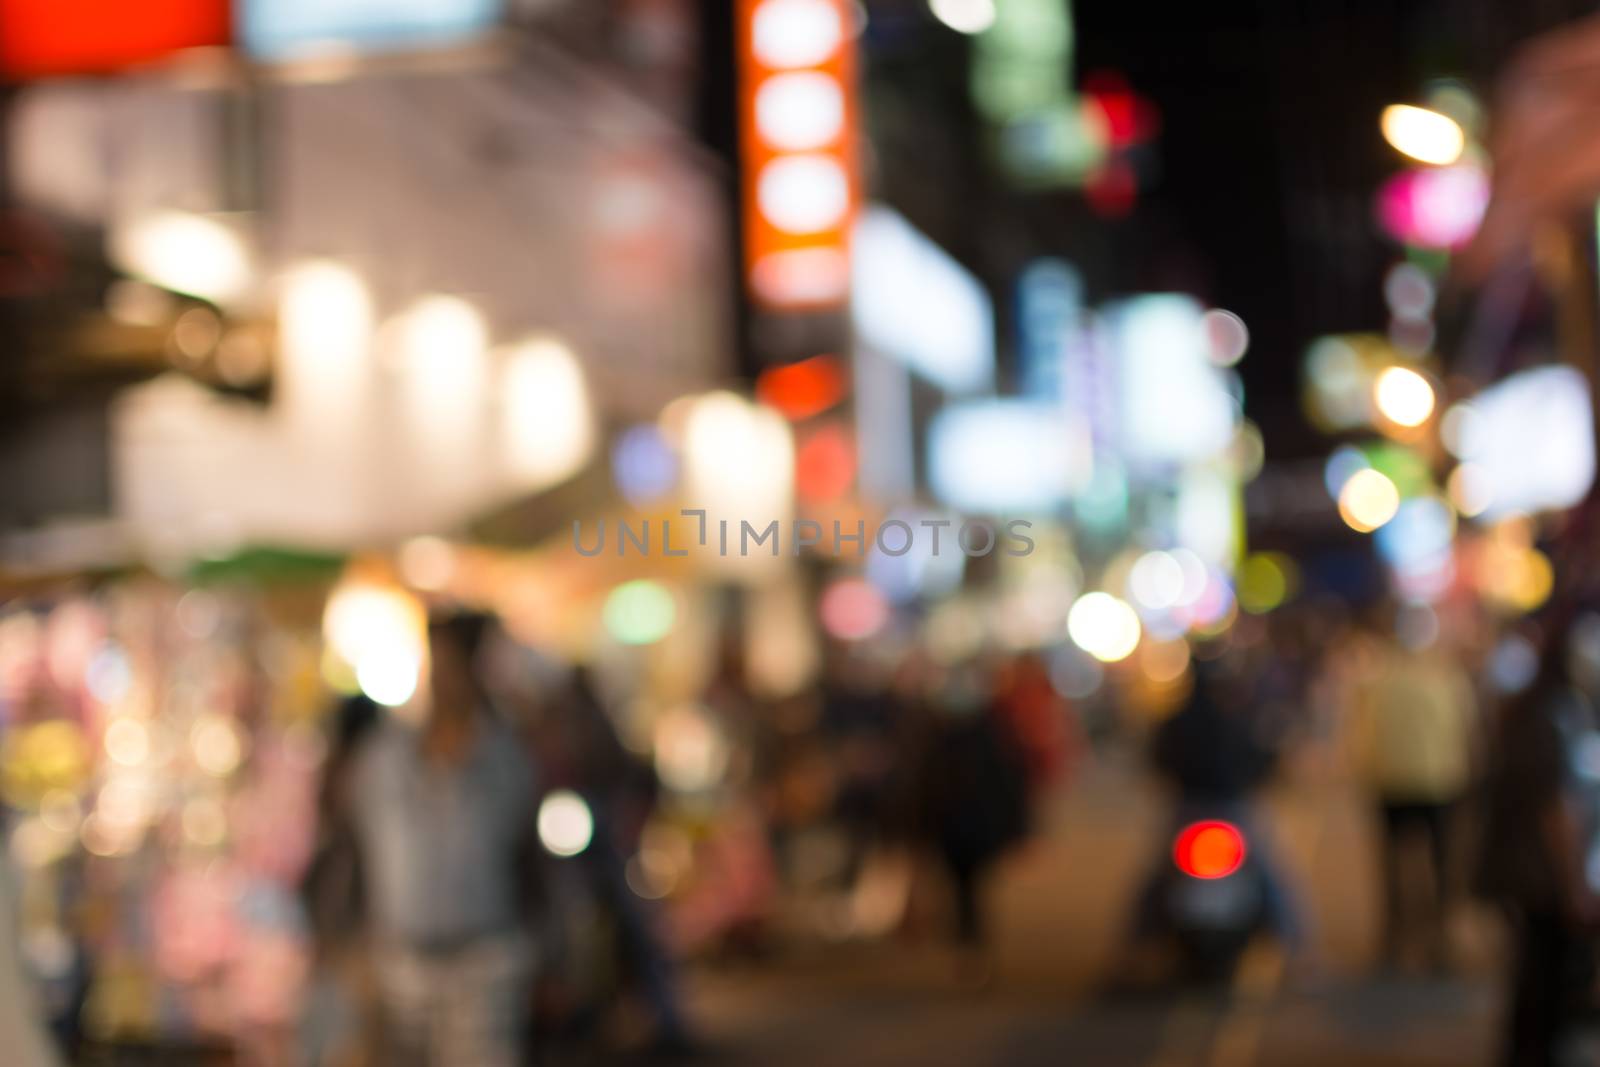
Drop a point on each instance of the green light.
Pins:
(639, 612)
(1265, 581)
(1404, 466)
(1021, 81)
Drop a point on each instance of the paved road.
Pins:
(1058, 909)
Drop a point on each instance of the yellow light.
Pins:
(1516, 578)
(1403, 396)
(37, 759)
(547, 425)
(389, 675)
(379, 632)
(442, 342)
(195, 254)
(1265, 581)
(739, 458)
(362, 618)
(1368, 500)
(324, 314)
(1422, 134)
(324, 337)
(1104, 626)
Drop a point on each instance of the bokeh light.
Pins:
(640, 612)
(964, 16)
(690, 753)
(1227, 338)
(852, 609)
(389, 675)
(1156, 580)
(643, 464)
(803, 389)
(1368, 500)
(547, 424)
(427, 563)
(1209, 849)
(803, 194)
(787, 34)
(127, 741)
(566, 826)
(825, 464)
(1403, 396)
(1265, 581)
(187, 253)
(1470, 490)
(800, 110)
(1104, 626)
(1423, 134)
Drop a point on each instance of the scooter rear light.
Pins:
(1210, 848)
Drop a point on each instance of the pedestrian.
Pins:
(1415, 733)
(443, 814)
(1541, 835)
(579, 749)
(335, 1024)
(975, 802)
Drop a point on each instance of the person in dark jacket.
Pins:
(975, 799)
(1541, 837)
(1213, 758)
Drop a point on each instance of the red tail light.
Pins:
(1210, 848)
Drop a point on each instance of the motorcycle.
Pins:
(1213, 898)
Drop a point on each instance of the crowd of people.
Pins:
(441, 936)
(432, 897)
(449, 928)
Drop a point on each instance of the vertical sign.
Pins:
(797, 127)
(41, 38)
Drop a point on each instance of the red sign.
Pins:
(40, 38)
(797, 104)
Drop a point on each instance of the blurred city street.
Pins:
(1061, 906)
(549, 533)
